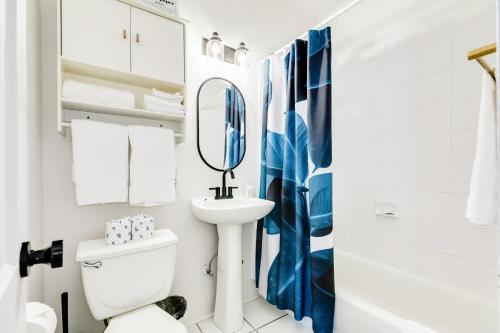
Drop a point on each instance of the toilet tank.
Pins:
(121, 278)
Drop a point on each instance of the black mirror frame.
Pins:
(198, 124)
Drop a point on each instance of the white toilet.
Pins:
(123, 282)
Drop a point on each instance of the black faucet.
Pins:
(227, 191)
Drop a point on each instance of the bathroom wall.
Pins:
(197, 241)
(406, 103)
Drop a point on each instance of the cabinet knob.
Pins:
(137, 38)
(124, 34)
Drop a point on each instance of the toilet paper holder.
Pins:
(52, 255)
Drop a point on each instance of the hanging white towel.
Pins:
(91, 93)
(482, 201)
(152, 166)
(100, 162)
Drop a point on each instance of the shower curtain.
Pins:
(294, 248)
(234, 139)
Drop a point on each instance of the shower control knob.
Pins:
(52, 256)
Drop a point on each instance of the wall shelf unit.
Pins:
(148, 52)
(119, 111)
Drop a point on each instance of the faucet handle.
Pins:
(217, 192)
(230, 191)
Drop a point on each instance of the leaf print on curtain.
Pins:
(294, 248)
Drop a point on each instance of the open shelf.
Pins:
(107, 74)
(119, 111)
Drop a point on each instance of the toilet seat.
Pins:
(149, 319)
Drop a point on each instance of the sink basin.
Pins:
(239, 210)
(229, 215)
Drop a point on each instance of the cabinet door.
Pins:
(97, 32)
(157, 47)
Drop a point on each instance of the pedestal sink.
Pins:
(229, 215)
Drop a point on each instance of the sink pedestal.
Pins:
(228, 315)
(230, 215)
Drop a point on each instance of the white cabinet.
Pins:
(157, 48)
(115, 35)
(97, 32)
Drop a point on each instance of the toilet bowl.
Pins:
(123, 282)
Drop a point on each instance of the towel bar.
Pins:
(68, 125)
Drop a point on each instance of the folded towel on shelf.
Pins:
(159, 108)
(90, 93)
(143, 227)
(100, 162)
(152, 166)
(158, 102)
(482, 201)
(174, 98)
(119, 231)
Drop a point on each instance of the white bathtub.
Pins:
(375, 298)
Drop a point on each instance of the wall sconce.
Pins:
(214, 48)
(240, 56)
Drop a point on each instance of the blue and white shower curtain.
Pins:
(234, 139)
(294, 248)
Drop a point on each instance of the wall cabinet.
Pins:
(123, 44)
(96, 32)
(157, 47)
(115, 35)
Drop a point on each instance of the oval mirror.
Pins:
(221, 124)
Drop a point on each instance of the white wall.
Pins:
(405, 118)
(197, 241)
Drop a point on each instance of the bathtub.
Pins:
(376, 298)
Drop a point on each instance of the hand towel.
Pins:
(119, 231)
(482, 201)
(151, 100)
(90, 93)
(143, 227)
(100, 162)
(174, 98)
(152, 166)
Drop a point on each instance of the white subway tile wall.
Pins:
(404, 120)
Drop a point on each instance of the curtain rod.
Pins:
(330, 18)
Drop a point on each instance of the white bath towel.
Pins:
(91, 93)
(156, 101)
(174, 98)
(482, 201)
(152, 166)
(100, 162)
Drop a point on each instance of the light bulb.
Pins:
(241, 60)
(215, 46)
(241, 55)
(215, 49)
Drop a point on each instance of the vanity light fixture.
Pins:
(215, 47)
(240, 56)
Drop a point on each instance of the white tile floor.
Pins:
(259, 317)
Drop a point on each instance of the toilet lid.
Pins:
(149, 319)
